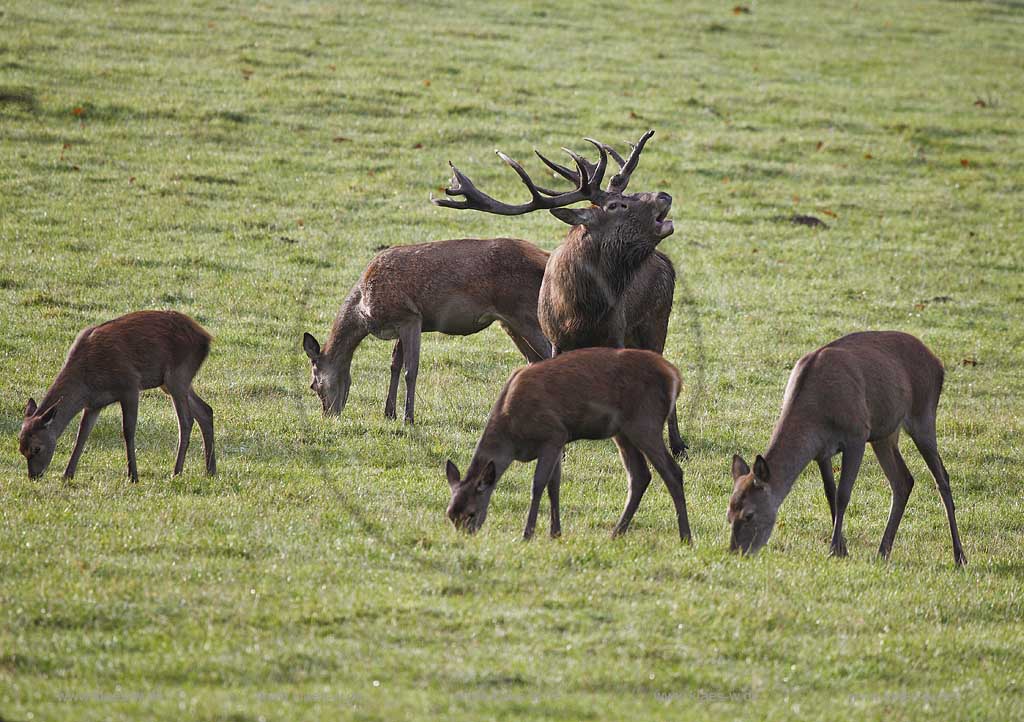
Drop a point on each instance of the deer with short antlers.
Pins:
(860, 389)
(606, 285)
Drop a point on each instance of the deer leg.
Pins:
(396, 372)
(185, 423)
(929, 448)
(900, 481)
(129, 420)
(639, 479)
(204, 416)
(89, 417)
(853, 454)
(554, 484)
(675, 440)
(546, 462)
(532, 344)
(409, 336)
(829, 482)
(672, 475)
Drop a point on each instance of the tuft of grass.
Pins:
(242, 164)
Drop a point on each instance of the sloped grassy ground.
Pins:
(242, 162)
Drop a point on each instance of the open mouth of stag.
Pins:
(663, 227)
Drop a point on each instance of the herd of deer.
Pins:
(591, 318)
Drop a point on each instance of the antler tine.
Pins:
(615, 154)
(475, 199)
(595, 171)
(535, 192)
(620, 180)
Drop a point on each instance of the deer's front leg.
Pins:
(396, 373)
(89, 417)
(409, 336)
(853, 454)
(554, 485)
(546, 462)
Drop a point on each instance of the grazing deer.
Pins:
(456, 287)
(112, 363)
(592, 393)
(602, 283)
(862, 388)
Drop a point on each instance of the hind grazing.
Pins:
(860, 389)
(591, 393)
(112, 363)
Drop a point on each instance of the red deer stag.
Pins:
(606, 285)
(456, 287)
(592, 393)
(112, 363)
(862, 388)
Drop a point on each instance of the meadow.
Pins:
(243, 162)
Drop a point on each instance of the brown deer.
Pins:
(112, 363)
(592, 393)
(456, 287)
(862, 388)
(605, 285)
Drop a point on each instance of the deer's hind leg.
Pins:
(900, 480)
(639, 479)
(204, 415)
(185, 422)
(922, 431)
(532, 344)
(129, 420)
(654, 449)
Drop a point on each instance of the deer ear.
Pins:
(30, 407)
(761, 472)
(311, 346)
(487, 479)
(573, 216)
(452, 472)
(739, 467)
(47, 416)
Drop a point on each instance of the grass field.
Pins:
(242, 164)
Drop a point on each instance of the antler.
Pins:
(596, 171)
(587, 177)
(620, 180)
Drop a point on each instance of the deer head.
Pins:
(38, 439)
(613, 213)
(330, 381)
(471, 496)
(752, 509)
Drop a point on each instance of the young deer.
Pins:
(862, 388)
(454, 287)
(111, 363)
(593, 393)
(603, 280)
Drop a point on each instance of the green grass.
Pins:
(241, 164)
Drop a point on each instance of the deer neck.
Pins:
(70, 394)
(347, 333)
(792, 447)
(493, 446)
